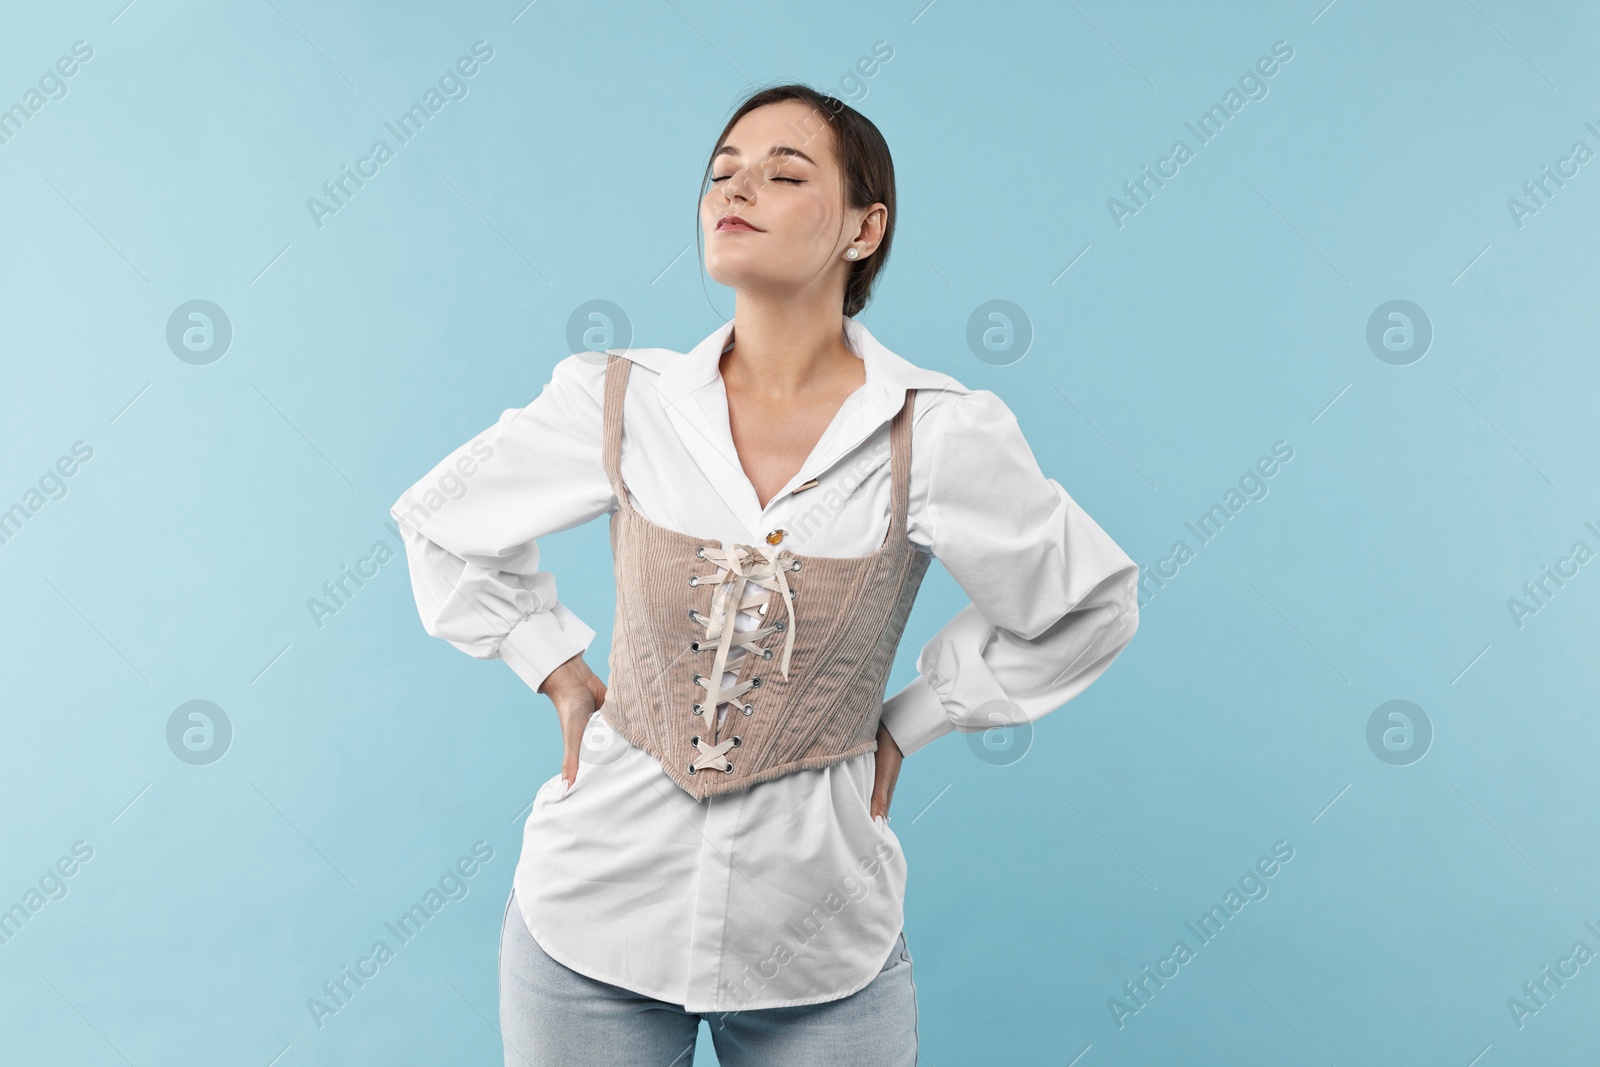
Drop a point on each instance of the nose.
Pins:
(741, 184)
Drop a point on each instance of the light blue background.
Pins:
(1228, 314)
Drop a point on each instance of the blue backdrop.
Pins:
(1296, 300)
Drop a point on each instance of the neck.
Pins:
(786, 349)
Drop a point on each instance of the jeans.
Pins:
(552, 1016)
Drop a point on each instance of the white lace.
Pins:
(757, 577)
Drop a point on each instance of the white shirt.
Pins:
(786, 892)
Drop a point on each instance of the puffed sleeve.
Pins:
(1054, 599)
(471, 526)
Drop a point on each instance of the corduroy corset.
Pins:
(809, 680)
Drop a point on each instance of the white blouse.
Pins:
(786, 892)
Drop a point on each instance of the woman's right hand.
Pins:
(576, 692)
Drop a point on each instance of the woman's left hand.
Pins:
(888, 769)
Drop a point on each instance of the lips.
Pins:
(734, 222)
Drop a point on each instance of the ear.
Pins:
(870, 233)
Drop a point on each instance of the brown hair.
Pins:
(864, 159)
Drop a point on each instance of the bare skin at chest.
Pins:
(775, 432)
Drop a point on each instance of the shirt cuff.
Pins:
(915, 716)
(544, 641)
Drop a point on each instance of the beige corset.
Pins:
(809, 680)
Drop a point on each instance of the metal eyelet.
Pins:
(694, 646)
(694, 580)
(692, 768)
(695, 740)
(796, 566)
(748, 709)
(766, 653)
(694, 616)
(699, 678)
(728, 769)
(700, 551)
(735, 740)
(780, 626)
(755, 683)
(699, 709)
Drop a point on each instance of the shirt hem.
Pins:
(661, 995)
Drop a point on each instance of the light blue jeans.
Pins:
(552, 1016)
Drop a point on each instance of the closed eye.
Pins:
(725, 177)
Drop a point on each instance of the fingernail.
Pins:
(565, 785)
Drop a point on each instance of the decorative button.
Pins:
(774, 537)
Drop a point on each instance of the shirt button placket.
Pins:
(708, 941)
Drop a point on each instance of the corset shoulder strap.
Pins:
(617, 368)
(900, 464)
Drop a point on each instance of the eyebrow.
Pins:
(776, 150)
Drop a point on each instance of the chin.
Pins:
(738, 275)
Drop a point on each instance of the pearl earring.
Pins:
(851, 254)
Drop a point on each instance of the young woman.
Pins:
(717, 842)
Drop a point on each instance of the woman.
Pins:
(717, 842)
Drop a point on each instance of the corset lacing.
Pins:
(762, 576)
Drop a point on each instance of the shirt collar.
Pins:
(689, 388)
(889, 375)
